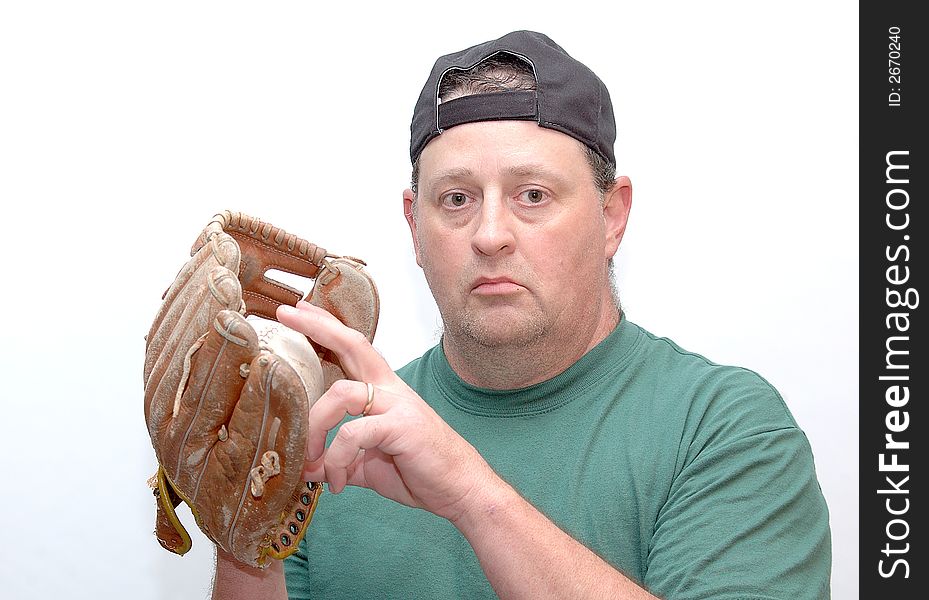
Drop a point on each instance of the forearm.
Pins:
(525, 555)
(236, 581)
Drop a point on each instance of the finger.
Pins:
(345, 396)
(358, 358)
(344, 451)
(316, 470)
(372, 469)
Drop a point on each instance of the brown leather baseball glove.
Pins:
(226, 399)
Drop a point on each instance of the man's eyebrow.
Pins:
(533, 170)
(538, 170)
(450, 174)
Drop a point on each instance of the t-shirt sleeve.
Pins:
(745, 517)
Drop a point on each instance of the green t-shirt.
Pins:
(689, 477)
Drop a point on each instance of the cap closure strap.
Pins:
(519, 105)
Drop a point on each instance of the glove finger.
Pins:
(348, 293)
(215, 381)
(191, 280)
(192, 318)
(270, 418)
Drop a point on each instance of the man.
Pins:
(547, 447)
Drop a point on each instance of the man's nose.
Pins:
(494, 230)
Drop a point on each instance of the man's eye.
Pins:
(456, 199)
(533, 196)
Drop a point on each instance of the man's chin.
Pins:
(494, 330)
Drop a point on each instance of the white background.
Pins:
(125, 126)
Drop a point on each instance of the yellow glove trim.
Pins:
(164, 485)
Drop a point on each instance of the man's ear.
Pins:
(616, 206)
(409, 197)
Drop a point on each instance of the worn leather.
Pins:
(226, 398)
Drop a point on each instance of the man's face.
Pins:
(511, 233)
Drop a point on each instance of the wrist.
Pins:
(490, 500)
(234, 578)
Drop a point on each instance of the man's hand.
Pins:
(402, 449)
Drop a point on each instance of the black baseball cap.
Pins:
(569, 97)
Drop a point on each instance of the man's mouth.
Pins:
(491, 286)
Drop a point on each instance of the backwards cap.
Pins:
(569, 97)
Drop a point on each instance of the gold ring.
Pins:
(367, 408)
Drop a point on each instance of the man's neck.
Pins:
(509, 367)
